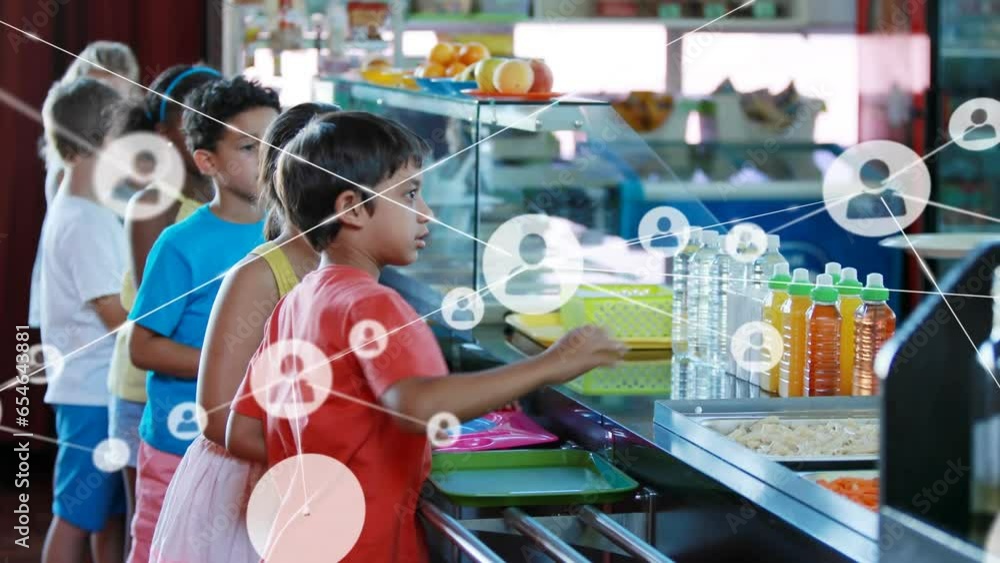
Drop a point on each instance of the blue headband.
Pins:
(175, 83)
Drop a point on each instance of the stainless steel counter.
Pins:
(716, 500)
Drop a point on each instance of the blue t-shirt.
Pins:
(183, 274)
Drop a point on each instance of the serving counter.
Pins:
(704, 497)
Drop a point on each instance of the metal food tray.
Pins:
(723, 417)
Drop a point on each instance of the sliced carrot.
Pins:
(861, 491)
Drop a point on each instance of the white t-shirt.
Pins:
(83, 258)
(52, 169)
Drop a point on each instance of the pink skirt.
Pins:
(204, 512)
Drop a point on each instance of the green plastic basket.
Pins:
(626, 311)
(628, 378)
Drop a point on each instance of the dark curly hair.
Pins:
(357, 146)
(282, 130)
(218, 102)
(143, 113)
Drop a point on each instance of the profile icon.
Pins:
(140, 159)
(666, 238)
(980, 130)
(187, 423)
(664, 230)
(368, 339)
(111, 455)
(755, 350)
(463, 312)
(533, 252)
(462, 308)
(291, 378)
(745, 243)
(186, 420)
(975, 124)
(291, 389)
(756, 346)
(877, 201)
(533, 264)
(876, 188)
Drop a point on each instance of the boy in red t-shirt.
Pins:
(374, 419)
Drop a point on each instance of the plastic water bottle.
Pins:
(718, 311)
(681, 323)
(751, 295)
(699, 291)
(763, 267)
(823, 340)
(740, 272)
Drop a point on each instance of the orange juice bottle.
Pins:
(874, 324)
(793, 335)
(776, 297)
(823, 340)
(850, 300)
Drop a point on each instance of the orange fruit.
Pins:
(454, 69)
(443, 54)
(472, 53)
(513, 77)
(429, 70)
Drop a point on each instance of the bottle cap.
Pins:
(874, 290)
(824, 292)
(779, 281)
(800, 282)
(833, 268)
(849, 284)
(773, 243)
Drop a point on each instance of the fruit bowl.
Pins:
(427, 85)
(452, 87)
(444, 86)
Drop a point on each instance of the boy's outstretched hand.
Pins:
(475, 394)
(583, 349)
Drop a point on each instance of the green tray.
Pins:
(528, 478)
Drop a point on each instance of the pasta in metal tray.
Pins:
(772, 436)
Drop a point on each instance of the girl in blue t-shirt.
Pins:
(183, 273)
(200, 520)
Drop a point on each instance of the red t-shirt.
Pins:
(390, 464)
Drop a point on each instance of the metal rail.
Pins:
(458, 534)
(621, 536)
(548, 541)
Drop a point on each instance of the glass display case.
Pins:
(577, 160)
(493, 161)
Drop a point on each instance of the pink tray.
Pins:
(498, 431)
